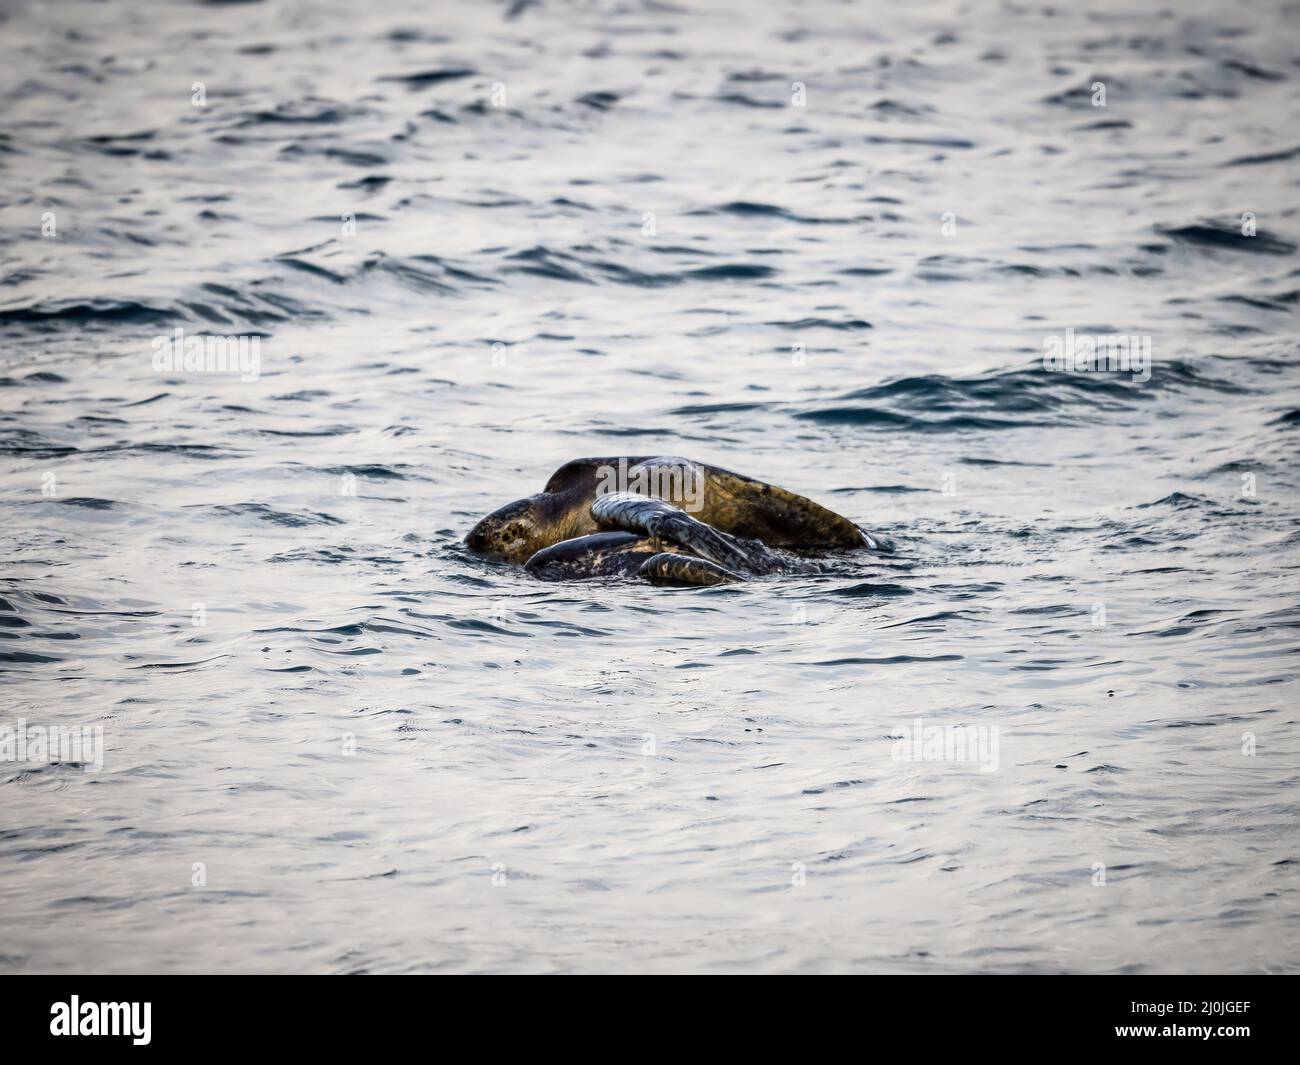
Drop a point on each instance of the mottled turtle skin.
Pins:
(704, 525)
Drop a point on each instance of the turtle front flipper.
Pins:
(656, 518)
(603, 554)
(667, 568)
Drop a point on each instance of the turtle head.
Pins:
(513, 532)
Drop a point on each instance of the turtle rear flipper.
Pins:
(667, 568)
(878, 543)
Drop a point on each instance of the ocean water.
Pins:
(824, 244)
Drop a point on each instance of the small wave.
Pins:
(747, 209)
(562, 266)
(422, 79)
(86, 503)
(277, 517)
(87, 313)
(741, 99)
(542, 262)
(1178, 501)
(1266, 157)
(976, 460)
(310, 111)
(599, 101)
(732, 272)
(1219, 235)
(888, 660)
(350, 156)
(845, 325)
(18, 657)
(1080, 97)
(989, 401)
(922, 142)
(865, 416)
(716, 408)
(872, 591)
(884, 489)
(311, 268)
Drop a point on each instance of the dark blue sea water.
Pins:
(824, 244)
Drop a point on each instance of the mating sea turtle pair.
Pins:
(667, 520)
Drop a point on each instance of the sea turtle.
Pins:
(665, 519)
